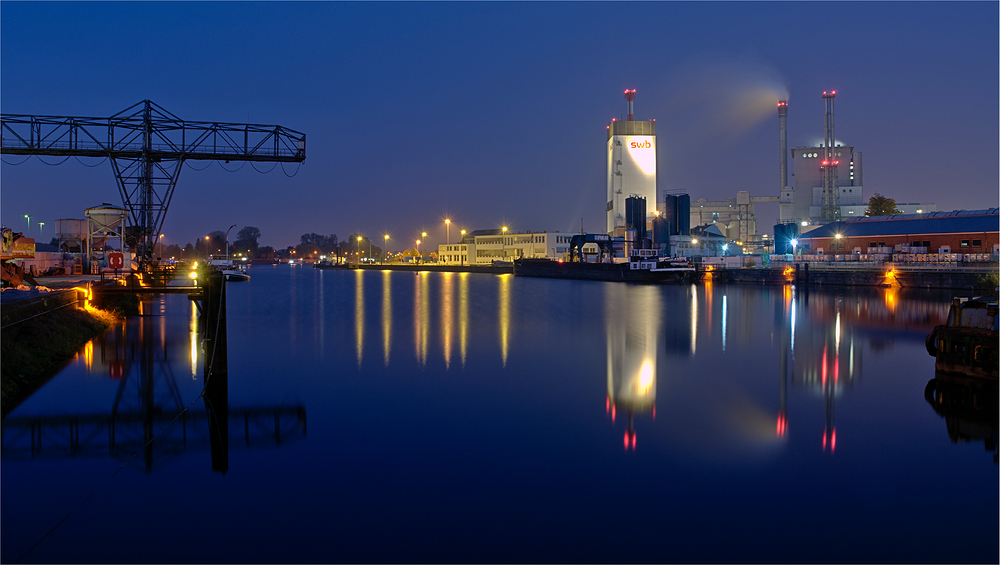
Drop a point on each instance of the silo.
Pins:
(684, 215)
(661, 235)
(781, 240)
(670, 215)
(635, 216)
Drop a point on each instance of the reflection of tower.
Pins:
(633, 325)
(631, 149)
(787, 322)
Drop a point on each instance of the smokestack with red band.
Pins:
(630, 96)
(783, 142)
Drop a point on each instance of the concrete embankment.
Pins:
(432, 268)
(818, 275)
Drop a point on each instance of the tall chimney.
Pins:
(630, 96)
(783, 142)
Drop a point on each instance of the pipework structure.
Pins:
(831, 200)
(631, 150)
(147, 147)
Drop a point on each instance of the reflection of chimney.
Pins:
(783, 142)
(630, 96)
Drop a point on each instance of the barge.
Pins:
(967, 344)
(648, 270)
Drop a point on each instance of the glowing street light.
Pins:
(447, 227)
(794, 242)
(359, 251)
(418, 251)
(503, 240)
(160, 240)
(461, 257)
(29, 224)
(384, 247)
(40, 226)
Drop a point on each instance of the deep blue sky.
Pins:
(492, 113)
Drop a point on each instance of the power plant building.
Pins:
(631, 152)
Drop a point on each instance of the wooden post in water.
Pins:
(216, 369)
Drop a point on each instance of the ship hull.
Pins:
(615, 272)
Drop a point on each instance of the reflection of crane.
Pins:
(154, 420)
(147, 146)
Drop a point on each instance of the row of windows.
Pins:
(927, 243)
(814, 155)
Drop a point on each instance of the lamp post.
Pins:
(447, 227)
(40, 226)
(423, 236)
(460, 255)
(359, 252)
(503, 241)
(386, 236)
(837, 238)
(29, 224)
(160, 241)
(418, 251)
(794, 242)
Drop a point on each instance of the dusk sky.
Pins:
(495, 113)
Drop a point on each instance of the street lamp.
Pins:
(29, 224)
(386, 236)
(503, 240)
(418, 251)
(794, 242)
(160, 239)
(359, 251)
(40, 226)
(461, 256)
(447, 227)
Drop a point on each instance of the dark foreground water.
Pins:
(378, 416)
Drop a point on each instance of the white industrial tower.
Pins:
(631, 166)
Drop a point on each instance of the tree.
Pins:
(246, 240)
(879, 205)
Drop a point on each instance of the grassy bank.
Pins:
(32, 351)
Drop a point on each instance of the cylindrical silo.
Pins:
(684, 214)
(670, 214)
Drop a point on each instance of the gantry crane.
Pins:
(147, 147)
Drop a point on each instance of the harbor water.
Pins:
(376, 416)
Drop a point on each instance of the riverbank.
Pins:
(40, 333)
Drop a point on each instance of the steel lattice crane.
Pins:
(147, 147)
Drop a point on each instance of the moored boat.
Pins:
(967, 344)
(649, 270)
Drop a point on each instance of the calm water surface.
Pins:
(391, 416)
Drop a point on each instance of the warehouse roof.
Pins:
(959, 221)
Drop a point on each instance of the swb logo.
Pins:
(640, 145)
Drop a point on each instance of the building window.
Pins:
(965, 243)
(927, 243)
(976, 242)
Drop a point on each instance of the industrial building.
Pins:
(631, 150)
(483, 247)
(968, 232)
(829, 177)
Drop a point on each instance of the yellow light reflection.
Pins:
(694, 317)
(447, 316)
(193, 332)
(645, 381)
(890, 299)
(359, 313)
(421, 317)
(88, 355)
(386, 316)
(463, 314)
(504, 306)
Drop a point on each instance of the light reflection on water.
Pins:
(755, 403)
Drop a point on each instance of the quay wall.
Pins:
(432, 268)
(904, 278)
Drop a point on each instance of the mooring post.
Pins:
(216, 369)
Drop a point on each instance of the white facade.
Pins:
(485, 249)
(631, 156)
